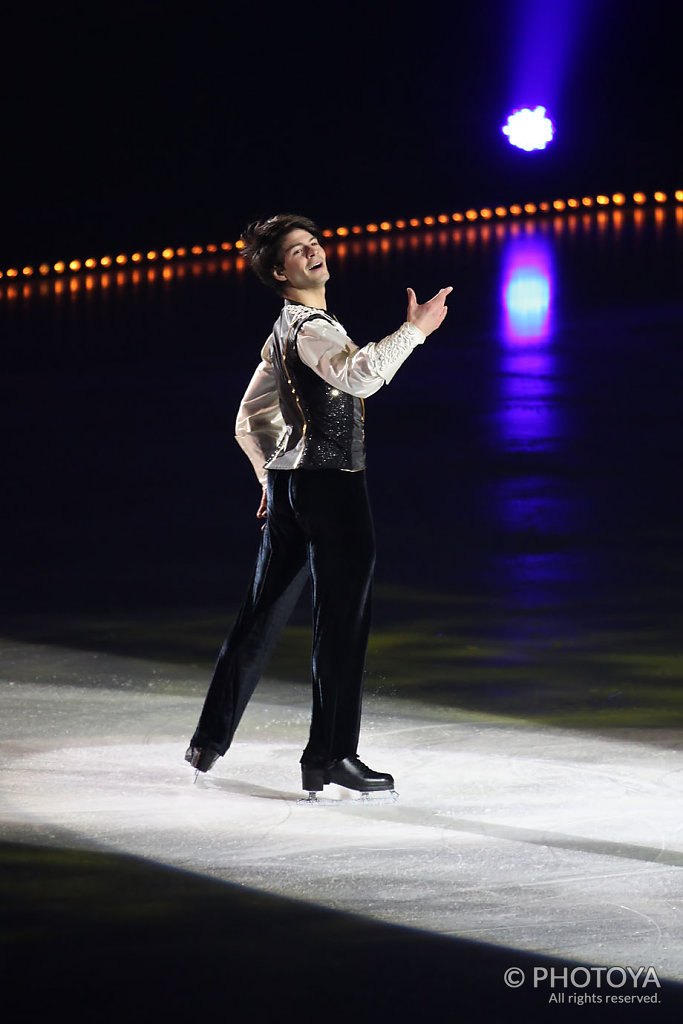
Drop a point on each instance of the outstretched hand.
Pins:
(429, 315)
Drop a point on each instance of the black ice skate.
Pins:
(351, 773)
(201, 758)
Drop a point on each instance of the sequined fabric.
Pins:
(325, 424)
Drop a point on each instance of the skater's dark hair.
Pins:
(262, 241)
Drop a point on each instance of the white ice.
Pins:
(551, 841)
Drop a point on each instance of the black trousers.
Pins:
(319, 526)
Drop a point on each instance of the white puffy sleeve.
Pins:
(327, 349)
(259, 424)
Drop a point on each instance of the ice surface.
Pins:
(552, 841)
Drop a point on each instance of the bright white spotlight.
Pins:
(529, 129)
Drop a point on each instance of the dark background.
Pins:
(152, 124)
(148, 123)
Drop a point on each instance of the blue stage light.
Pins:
(529, 129)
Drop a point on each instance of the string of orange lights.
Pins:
(557, 206)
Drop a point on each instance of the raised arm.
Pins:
(325, 346)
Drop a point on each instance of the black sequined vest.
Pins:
(328, 422)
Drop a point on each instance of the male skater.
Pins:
(301, 425)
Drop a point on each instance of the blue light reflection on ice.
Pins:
(527, 301)
(533, 507)
(528, 415)
(527, 288)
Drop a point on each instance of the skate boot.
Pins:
(351, 773)
(201, 758)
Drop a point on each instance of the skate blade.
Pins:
(382, 797)
(385, 796)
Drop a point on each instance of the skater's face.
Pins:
(303, 266)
